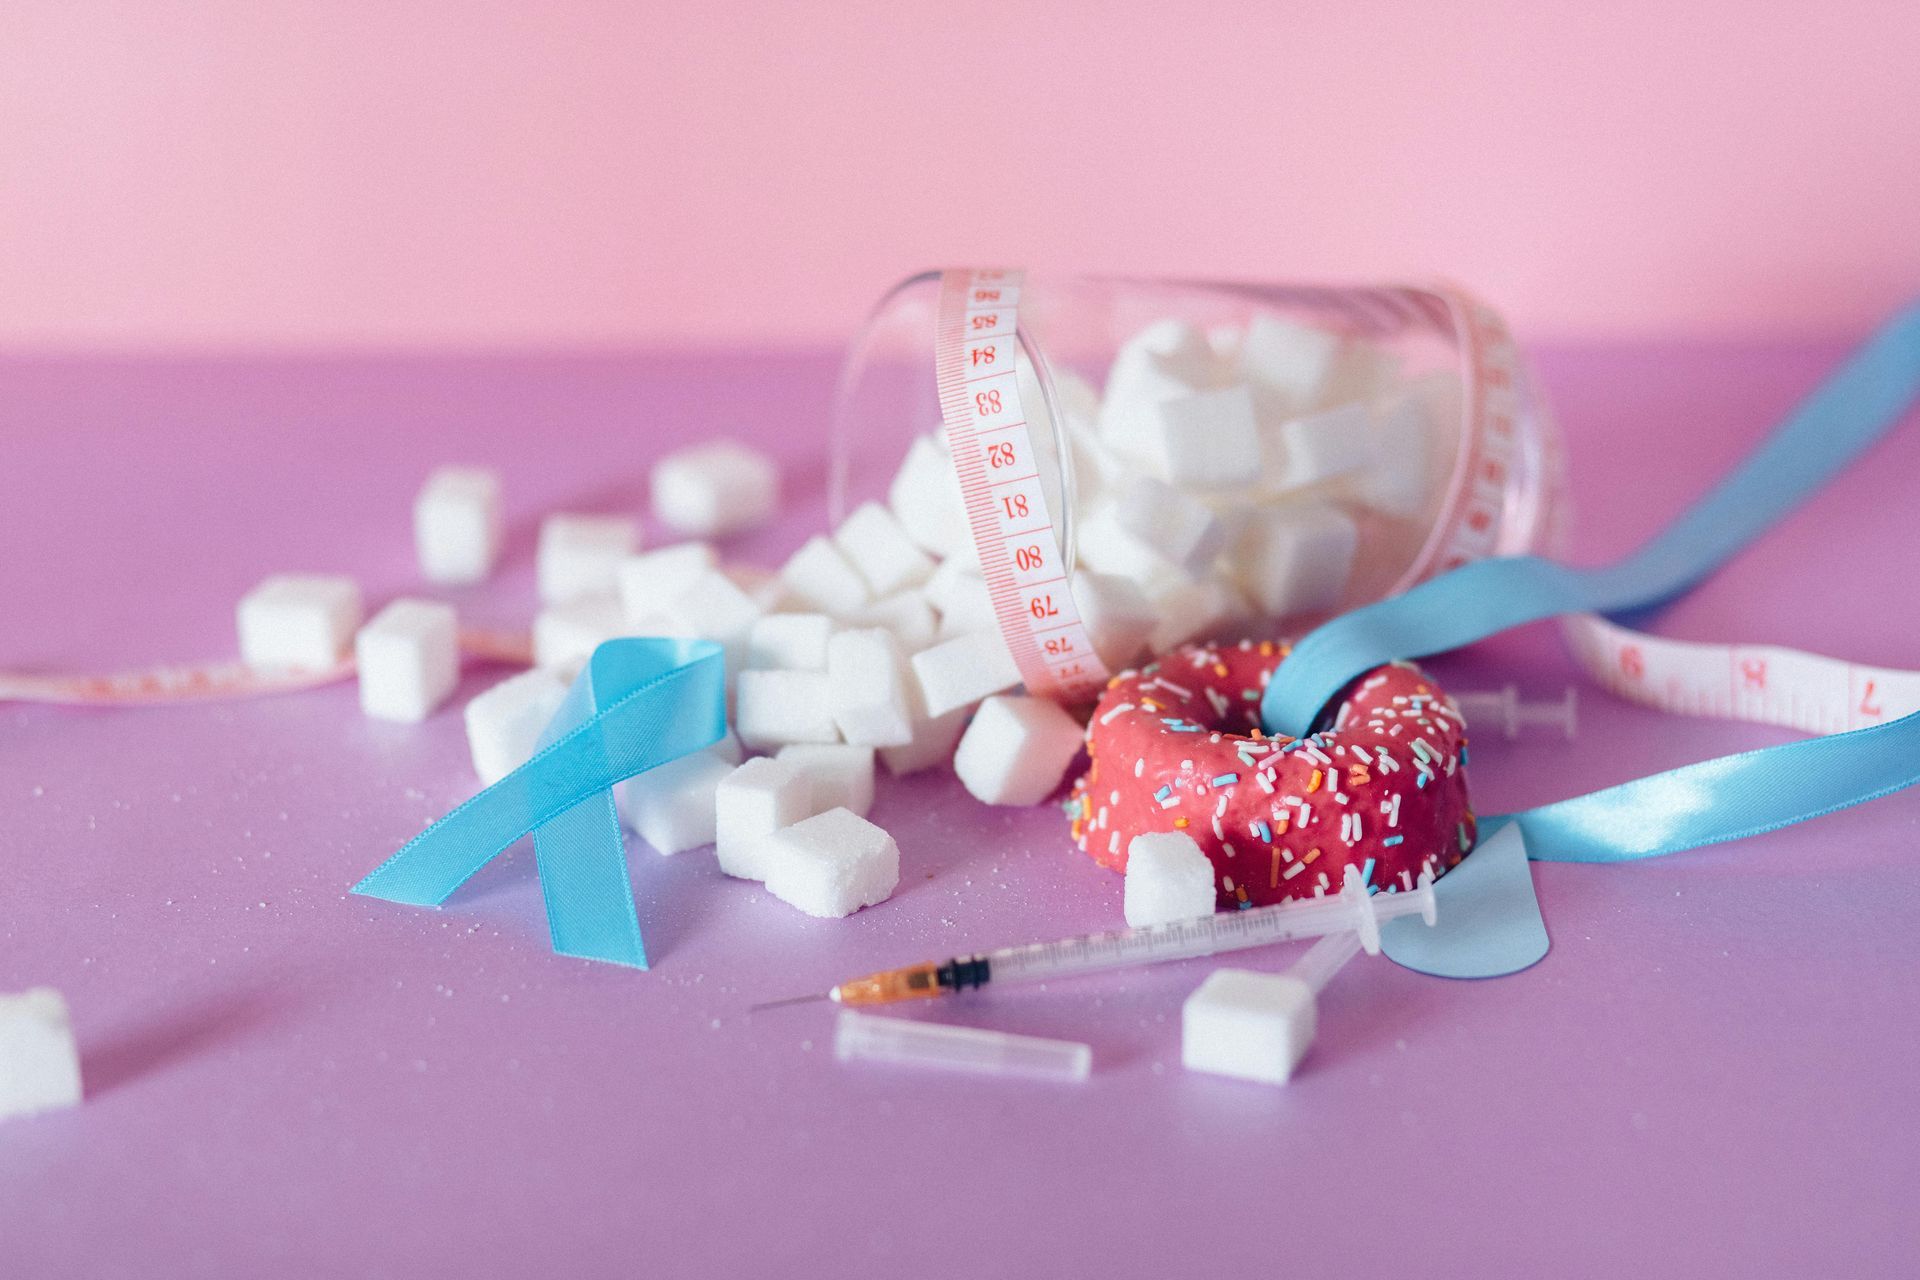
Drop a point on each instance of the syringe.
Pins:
(1354, 909)
(1505, 707)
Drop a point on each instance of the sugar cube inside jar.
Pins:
(1156, 463)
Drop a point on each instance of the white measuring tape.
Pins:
(1766, 684)
(214, 681)
(1014, 531)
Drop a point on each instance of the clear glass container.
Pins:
(1248, 459)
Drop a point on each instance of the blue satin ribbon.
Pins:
(636, 704)
(1697, 804)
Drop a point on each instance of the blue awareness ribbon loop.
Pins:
(1698, 804)
(637, 704)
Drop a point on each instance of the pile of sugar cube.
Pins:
(1253, 474)
(1216, 480)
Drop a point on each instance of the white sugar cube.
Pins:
(1192, 610)
(1319, 447)
(763, 586)
(790, 642)
(581, 555)
(1117, 615)
(504, 724)
(565, 635)
(1251, 1026)
(671, 806)
(933, 741)
(773, 708)
(712, 607)
(840, 775)
(1168, 878)
(880, 550)
(1290, 362)
(820, 577)
(750, 804)
(1210, 440)
(1296, 558)
(1016, 750)
(961, 671)
(959, 594)
(831, 865)
(906, 614)
(1178, 526)
(1107, 546)
(1408, 429)
(456, 525)
(649, 582)
(408, 658)
(1363, 371)
(39, 1065)
(298, 620)
(717, 488)
(925, 498)
(868, 688)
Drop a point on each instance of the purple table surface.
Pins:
(1713, 1073)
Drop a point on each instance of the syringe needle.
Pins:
(777, 1004)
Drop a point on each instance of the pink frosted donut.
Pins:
(1176, 746)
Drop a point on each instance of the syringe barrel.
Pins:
(1179, 940)
(1317, 965)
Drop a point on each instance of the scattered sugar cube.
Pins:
(906, 614)
(39, 1065)
(1177, 525)
(565, 635)
(763, 586)
(819, 577)
(712, 607)
(1290, 362)
(961, 671)
(1210, 440)
(457, 526)
(840, 775)
(868, 688)
(1016, 750)
(1321, 446)
(299, 620)
(1168, 878)
(790, 641)
(408, 658)
(773, 708)
(650, 581)
(581, 555)
(879, 549)
(934, 738)
(504, 724)
(750, 804)
(1117, 615)
(925, 498)
(672, 806)
(831, 865)
(1296, 558)
(716, 488)
(1251, 1026)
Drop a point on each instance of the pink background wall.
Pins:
(240, 174)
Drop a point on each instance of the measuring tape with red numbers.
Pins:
(217, 681)
(1017, 536)
(1766, 684)
(976, 344)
